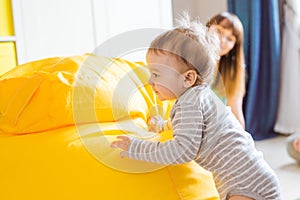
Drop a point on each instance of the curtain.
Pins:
(288, 117)
(262, 57)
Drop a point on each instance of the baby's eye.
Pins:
(155, 75)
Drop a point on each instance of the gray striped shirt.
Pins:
(206, 131)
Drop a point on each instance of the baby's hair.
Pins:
(191, 43)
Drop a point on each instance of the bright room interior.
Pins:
(34, 30)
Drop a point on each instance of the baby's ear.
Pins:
(190, 78)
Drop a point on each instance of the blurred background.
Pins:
(44, 28)
(37, 29)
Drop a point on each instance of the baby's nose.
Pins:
(150, 80)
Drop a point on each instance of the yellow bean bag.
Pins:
(57, 119)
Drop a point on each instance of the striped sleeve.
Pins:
(187, 123)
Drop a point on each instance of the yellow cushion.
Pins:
(74, 118)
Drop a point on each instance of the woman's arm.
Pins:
(236, 104)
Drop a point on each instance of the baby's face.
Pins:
(166, 76)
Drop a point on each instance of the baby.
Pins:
(181, 62)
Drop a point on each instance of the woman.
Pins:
(229, 76)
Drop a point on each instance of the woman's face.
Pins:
(227, 39)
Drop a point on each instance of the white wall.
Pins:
(49, 28)
(203, 9)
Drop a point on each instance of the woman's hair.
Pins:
(231, 65)
(192, 44)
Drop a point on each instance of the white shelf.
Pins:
(7, 38)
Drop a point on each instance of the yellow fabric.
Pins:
(6, 20)
(53, 145)
(75, 90)
(7, 56)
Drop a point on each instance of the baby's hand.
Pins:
(122, 143)
(156, 124)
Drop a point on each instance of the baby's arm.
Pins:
(158, 124)
(184, 146)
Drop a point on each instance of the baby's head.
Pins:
(182, 57)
